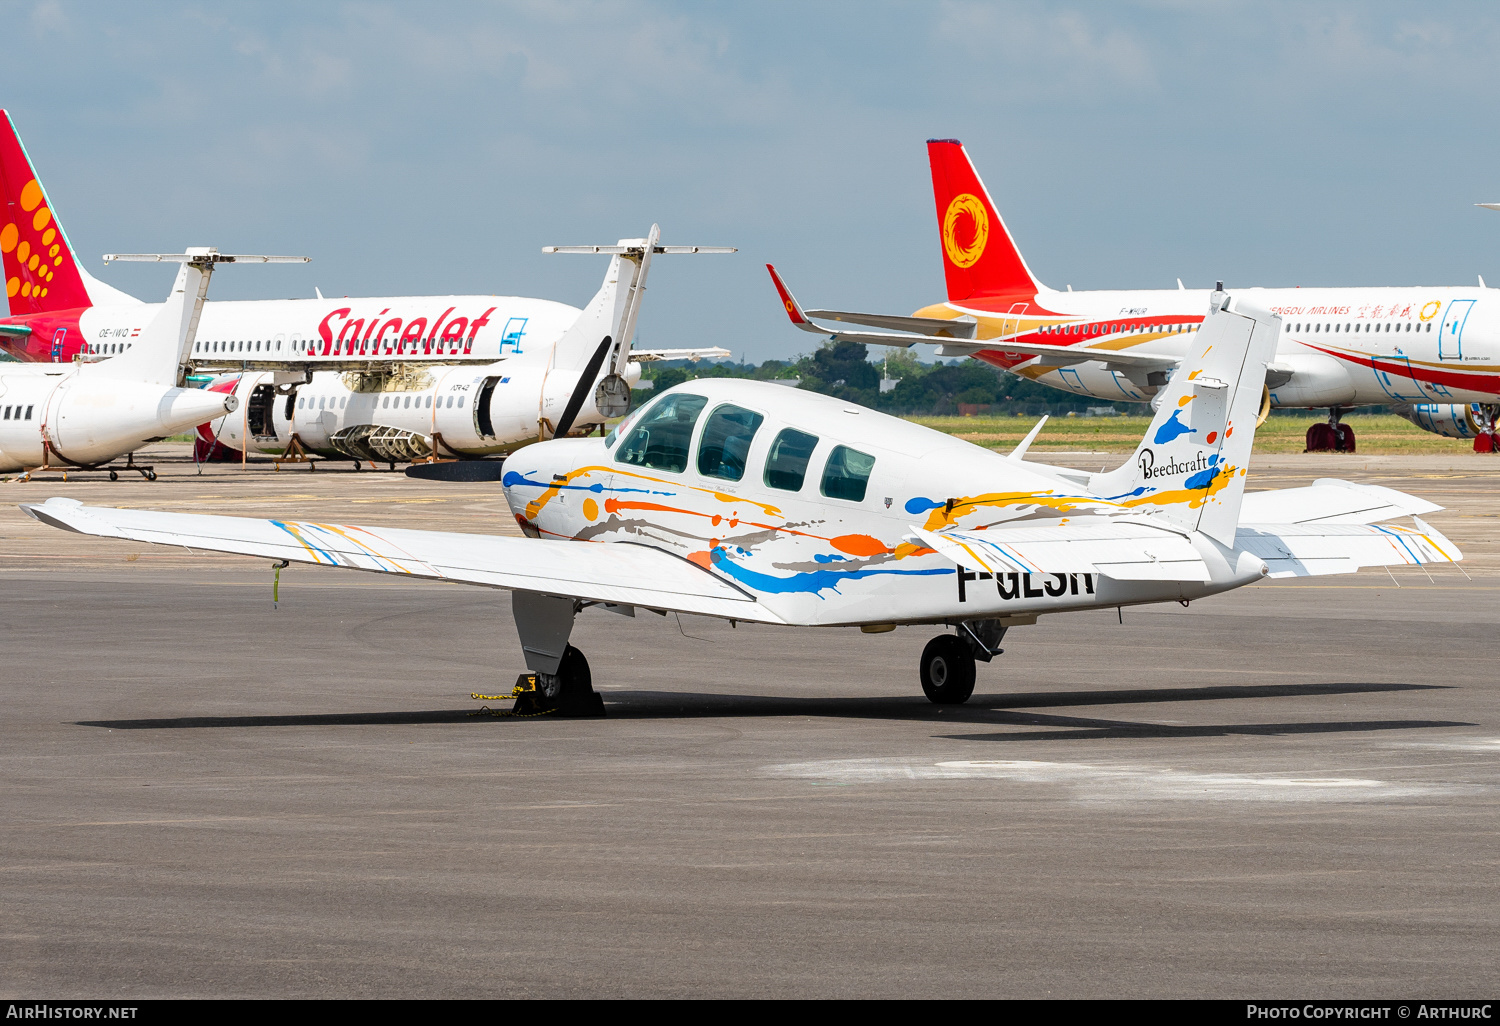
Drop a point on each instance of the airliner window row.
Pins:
(383, 403)
(17, 415)
(1115, 329)
(252, 346)
(107, 349)
(1366, 326)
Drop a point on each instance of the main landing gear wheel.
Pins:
(947, 670)
(1333, 436)
(569, 692)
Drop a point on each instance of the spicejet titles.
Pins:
(370, 335)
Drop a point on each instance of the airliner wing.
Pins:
(1057, 355)
(1124, 550)
(1331, 501)
(624, 574)
(652, 355)
(1311, 550)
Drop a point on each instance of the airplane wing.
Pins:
(620, 573)
(652, 355)
(1056, 355)
(1124, 550)
(1311, 550)
(1331, 501)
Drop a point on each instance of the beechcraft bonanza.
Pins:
(84, 414)
(751, 502)
(392, 345)
(430, 408)
(1432, 353)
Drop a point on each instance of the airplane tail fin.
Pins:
(1190, 467)
(41, 268)
(599, 340)
(159, 354)
(979, 256)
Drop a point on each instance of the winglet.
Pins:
(793, 309)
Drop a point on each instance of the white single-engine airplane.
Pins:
(748, 501)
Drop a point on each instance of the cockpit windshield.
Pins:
(660, 439)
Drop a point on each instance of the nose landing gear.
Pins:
(1334, 436)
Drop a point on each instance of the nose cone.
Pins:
(531, 471)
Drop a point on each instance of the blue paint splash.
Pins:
(1201, 480)
(813, 581)
(515, 477)
(1172, 429)
(921, 505)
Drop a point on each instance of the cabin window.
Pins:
(28, 412)
(726, 442)
(661, 439)
(460, 402)
(786, 463)
(343, 402)
(7, 412)
(847, 473)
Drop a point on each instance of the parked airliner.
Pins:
(1433, 352)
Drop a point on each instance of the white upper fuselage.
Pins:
(306, 330)
(1339, 346)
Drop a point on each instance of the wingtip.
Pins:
(787, 302)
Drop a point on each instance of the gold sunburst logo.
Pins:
(965, 215)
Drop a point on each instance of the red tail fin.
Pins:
(41, 272)
(979, 256)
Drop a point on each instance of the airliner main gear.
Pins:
(1334, 436)
(948, 670)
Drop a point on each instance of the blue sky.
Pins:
(434, 148)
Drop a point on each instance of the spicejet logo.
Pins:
(966, 228)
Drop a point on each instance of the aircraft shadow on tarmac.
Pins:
(988, 710)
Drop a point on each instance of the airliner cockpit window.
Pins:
(847, 474)
(786, 463)
(726, 442)
(661, 439)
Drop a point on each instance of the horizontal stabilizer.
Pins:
(1312, 550)
(620, 574)
(627, 250)
(1331, 501)
(206, 257)
(1124, 550)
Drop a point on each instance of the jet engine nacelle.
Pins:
(1309, 379)
(1451, 420)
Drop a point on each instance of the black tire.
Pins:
(150, 475)
(947, 670)
(577, 696)
(114, 476)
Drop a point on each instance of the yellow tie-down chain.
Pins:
(525, 683)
